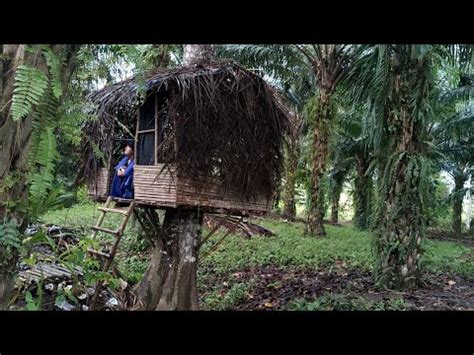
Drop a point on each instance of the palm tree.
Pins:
(328, 64)
(454, 139)
(352, 151)
(398, 83)
(292, 155)
(286, 69)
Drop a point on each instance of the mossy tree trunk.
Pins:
(330, 64)
(170, 282)
(362, 194)
(458, 196)
(15, 142)
(400, 229)
(292, 150)
(335, 198)
(324, 115)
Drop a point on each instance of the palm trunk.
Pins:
(162, 59)
(320, 154)
(195, 54)
(457, 203)
(362, 194)
(291, 165)
(401, 228)
(335, 197)
(401, 231)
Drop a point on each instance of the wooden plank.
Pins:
(157, 167)
(165, 188)
(155, 199)
(156, 182)
(155, 203)
(113, 210)
(171, 196)
(155, 187)
(208, 196)
(215, 203)
(148, 191)
(105, 230)
(101, 218)
(156, 129)
(97, 252)
(146, 131)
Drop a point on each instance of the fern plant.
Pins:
(39, 94)
(10, 244)
(29, 88)
(9, 234)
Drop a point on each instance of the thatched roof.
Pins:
(227, 121)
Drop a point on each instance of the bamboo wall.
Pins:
(160, 187)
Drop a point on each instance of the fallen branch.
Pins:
(232, 222)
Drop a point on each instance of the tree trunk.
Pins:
(291, 165)
(162, 59)
(14, 144)
(170, 282)
(15, 141)
(362, 194)
(324, 114)
(459, 180)
(195, 54)
(401, 228)
(469, 205)
(335, 197)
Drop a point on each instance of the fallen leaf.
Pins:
(451, 282)
(268, 304)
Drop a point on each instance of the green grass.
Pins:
(81, 216)
(337, 302)
(441, 256)
(217, 300)
(289, 247)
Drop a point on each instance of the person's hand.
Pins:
(121, 172)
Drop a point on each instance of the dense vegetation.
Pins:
(378, 161)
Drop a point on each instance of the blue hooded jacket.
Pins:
(122, 186)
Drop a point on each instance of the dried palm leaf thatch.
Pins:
(227, 122)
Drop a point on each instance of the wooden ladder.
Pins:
(117, 233)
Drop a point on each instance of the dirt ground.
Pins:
(273, 288)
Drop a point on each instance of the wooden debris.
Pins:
(247, 228)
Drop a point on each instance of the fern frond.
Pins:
(42, 180)
(9, 234)
(29, 87)
(54, 66)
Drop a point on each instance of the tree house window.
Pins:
(146, 132)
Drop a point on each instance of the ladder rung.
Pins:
(114, 210)
(147, 131)
(118, 199)
(90, 250)
(105, 230)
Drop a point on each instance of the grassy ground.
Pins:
(343, 247)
